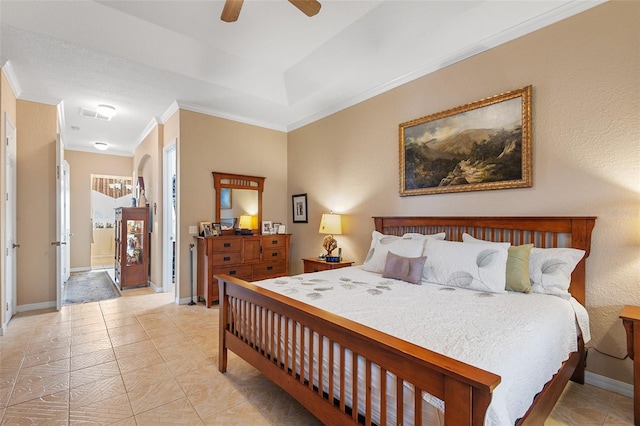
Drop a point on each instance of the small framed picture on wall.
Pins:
(299, 202)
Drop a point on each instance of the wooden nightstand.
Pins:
(311, 264)
(631, 320)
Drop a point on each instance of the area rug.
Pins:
(91, 286)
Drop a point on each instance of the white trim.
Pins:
(154, 287)
(183, 300)
(36, 306)
(167, 228)
(152, 125)
(541, 21)
(12, 78)
(31, 97)
(173, 108)
(609, 384)
(80, 269)
(240, 119)
(3, 330)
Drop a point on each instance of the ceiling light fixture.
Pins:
(106, 110)
(102, 146)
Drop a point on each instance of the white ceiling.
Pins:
(274, 67)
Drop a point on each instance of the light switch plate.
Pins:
(193, 230)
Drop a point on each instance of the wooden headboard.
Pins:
(542, 231)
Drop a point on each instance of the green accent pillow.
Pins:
(518, 268)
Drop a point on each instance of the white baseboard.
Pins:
(3, 329)
(609, 384)
(80, 269)
(36, 306)
(154, 287)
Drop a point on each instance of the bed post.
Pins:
(222, 326)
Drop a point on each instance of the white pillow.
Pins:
(382, 244)
(550, 270)
(479, 266)
(416, 236)
(467, 238)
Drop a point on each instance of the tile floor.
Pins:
(142, 360)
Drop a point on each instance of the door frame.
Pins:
(169, 258)
(9, 263)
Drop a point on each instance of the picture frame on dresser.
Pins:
(266, 227)
(205, 229)
(216, 229)
(299, 204)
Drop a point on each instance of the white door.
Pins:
(169, 218)
(66, 249)
(61, 238)
(10, 272)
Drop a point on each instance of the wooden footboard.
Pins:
(254, 322)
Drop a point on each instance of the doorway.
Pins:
(107, 193)
(169, 218)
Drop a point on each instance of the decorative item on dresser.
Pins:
(249, 257)
(315, 265)
(420, 381)
(131, 246)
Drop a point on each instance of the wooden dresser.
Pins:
(250, 257)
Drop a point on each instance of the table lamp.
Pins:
(330, 224)
(245, 224)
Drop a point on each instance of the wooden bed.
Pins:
(245, 310)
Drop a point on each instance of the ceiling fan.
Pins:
(232, 8)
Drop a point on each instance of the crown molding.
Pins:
(173, 108)
(558, 14)
(12, 78)
(241, 119)
(153, 123)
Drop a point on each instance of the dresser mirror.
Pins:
(238, 196)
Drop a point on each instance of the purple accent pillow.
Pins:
(407, 269)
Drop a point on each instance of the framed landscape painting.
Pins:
(478, 146)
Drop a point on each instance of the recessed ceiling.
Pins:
(274, 67)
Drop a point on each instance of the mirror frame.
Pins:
(233, 181)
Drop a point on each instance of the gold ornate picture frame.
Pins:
(474, 147)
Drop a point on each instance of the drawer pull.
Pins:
(232, 272)
(227, 258)
(274, 242)
(269, 268)
(227, 244)
(275, 254)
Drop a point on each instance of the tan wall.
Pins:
(148, 164)
(208, 144)
(81, 166)
(586, 148)
(36, 203)
(8, 107)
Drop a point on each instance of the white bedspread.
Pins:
(523, 338)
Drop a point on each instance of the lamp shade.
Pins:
(246, 222)
(330, 224)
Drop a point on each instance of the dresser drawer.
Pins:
(240, 271)
(273, 241)
(273, 255)
(226, 245)
(268, 270)
(230, 258)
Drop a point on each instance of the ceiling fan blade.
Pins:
(308, 7)
(231, 10)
